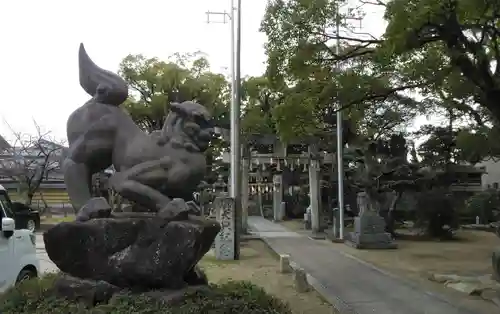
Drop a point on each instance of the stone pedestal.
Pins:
(369, 233)
(135, 251)
(225, 239)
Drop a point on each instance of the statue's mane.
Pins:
(172, 133)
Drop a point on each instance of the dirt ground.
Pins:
(416, 260)
(259, 266)
(470, 254)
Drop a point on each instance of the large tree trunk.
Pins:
(492, 102)
(390, 219)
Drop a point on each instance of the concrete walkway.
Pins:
(349, 284)
(46, 265)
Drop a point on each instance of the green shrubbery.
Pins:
(485, 205)
(436, 214)
(36, 296)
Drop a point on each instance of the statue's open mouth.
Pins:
(202, 145)
(202, 141)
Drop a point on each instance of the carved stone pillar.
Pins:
(278, 209)
(226, 239)
(245, 176)
(314, 188)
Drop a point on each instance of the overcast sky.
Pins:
(39, 47)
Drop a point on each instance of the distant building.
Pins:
(52, 190)
(491, 176)
(3, 143)
(468, 179)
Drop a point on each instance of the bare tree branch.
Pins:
(30, 159)
(374, 2)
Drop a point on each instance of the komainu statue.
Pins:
(152, 169)
(104, 252)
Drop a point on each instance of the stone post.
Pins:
(300, 280)
(245, 176)
(278, 215)
(226, 239)
(314, 187)
(285, 264)
(276, 192)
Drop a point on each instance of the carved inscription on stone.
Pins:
(224, 242)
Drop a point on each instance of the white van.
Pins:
(18, 260)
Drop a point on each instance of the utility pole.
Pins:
(340, 144)
(235, 150)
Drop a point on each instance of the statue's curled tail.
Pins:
(106, 87)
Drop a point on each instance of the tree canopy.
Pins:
(156, 84)
(434, 58)
(303, 60)
(460, 36)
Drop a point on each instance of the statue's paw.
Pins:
(196, 276)
(177, 209)
(95, 208)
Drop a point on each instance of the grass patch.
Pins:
(57, 219)
(260, 265)
(210, 259)
(37, 297)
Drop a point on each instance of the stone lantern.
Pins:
(220, 186)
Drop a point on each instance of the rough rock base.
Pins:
(140, 252)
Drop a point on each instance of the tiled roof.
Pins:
(3, 143)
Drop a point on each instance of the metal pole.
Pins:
(232, 68)
(235, 153)
(340, 157)
(235, 122)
